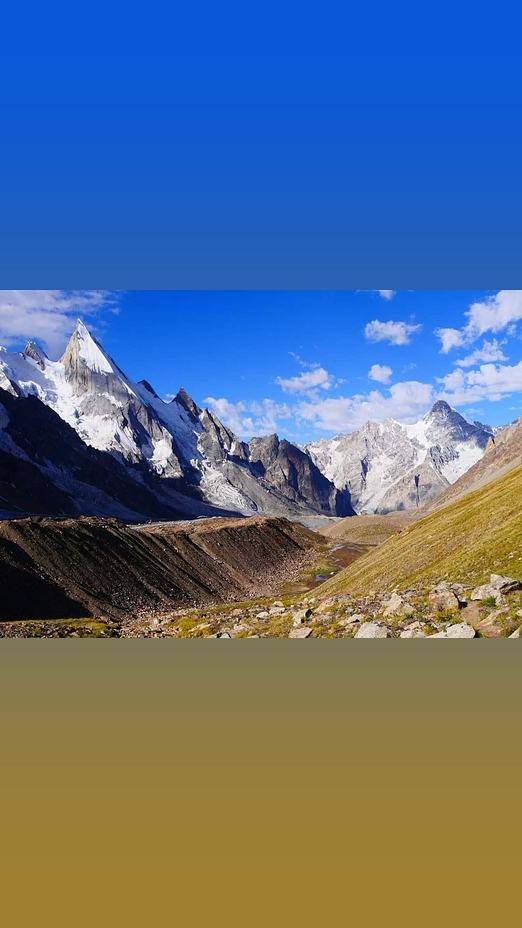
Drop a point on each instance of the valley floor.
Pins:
(228, 578)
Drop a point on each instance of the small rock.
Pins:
(396, 605)
(415, 630)
(236, 612)
(486, 591)
(460, 631)
(516, 634)
(505, 584)
(496, 587)
(278, 604)
(277, 610)
(263, 615)
(442, 600)
(221, 635)
(372, 630)
(300, 617)
(237, 629)
(352, 620)
(302, 632)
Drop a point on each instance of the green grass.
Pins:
(478, 535)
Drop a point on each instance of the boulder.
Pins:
(300, 617)
(396, 605)
(301, 632)
(496, 587)
(372, 630)
(505, 584)
(263, 615)
(443, 601)
(460, 631)
(486, 591)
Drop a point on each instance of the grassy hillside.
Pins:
(478, 535)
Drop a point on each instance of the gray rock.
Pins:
(278, 604)
(516, 634)
(300, 617)
(300, 632)
(460, 631)
(414, 630)
(352, 620)
(505, 584)
(396, 605)
(486, 591)
(372, 630)
(496, 586)
(263, 615)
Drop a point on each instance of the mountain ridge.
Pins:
(188, 448)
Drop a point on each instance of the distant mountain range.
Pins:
(77, 436)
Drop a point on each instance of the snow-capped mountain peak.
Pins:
(84, 350)
(389, 465)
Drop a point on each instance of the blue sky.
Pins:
(305, 364)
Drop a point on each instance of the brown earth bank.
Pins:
(89, 567)
(368, 530)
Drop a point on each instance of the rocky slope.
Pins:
(387, 466)
(62, 569)
(177, 449)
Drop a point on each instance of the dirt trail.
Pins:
(101, 567)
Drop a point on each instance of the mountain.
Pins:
(389, 466)
(181, 454)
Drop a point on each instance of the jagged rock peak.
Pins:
(187, 402)
(149, 388)
(37, 354)
(441, 408)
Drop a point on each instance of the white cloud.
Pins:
(396, 333)
(406, 401)
(248, 419)
(317, 378)
(48, 315)
(449, 339)
(490, 351)
(494, 314)
(387, 294)
(497, 313)
(487, 382)
(380, 372)
(454, 381)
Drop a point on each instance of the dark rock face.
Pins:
(290, 470)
